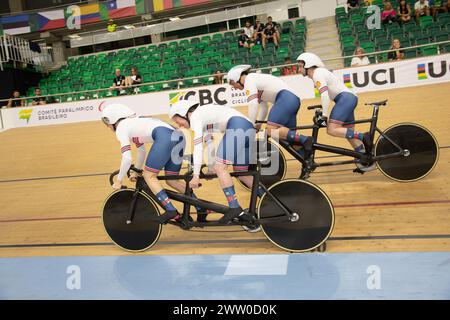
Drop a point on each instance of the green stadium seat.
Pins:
(445, 48)
(425, 21)
(441, 36)
(429, 51)
(422, 40)
(410, 53)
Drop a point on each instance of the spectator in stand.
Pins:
(360, 59)
(275, 28)
(249, 31)
(118, 82)
(288, 70)
(258, 32)
(39, 100)
(438, 6)
(112, 27)
(404, 11)
(397, 54)
(15, 103)
(218, 77)
(388, 16)
(269, 36)
(421, 8)
(134, 79)
(352, 4)
(244, 41)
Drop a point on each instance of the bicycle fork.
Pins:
(291, 216)
(132, 209)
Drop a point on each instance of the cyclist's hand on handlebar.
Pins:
(195, 182)
(133, 176)
(117, 185)
(322, 121)
(258, 126)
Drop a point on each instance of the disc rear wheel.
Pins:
(136, 234)
(313, 215)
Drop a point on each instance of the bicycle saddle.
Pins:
(379, 103)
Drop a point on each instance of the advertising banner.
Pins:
(408, 73)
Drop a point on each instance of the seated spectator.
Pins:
(118, 82)
(269, 36)
(15, 103)
(275, 28)
(249, 31)
(438, 6)
(258, 33)
(244, 41)
(38, 100)
(288, 70)
(360, 59)
(134, 79)
(397, 54)
(422, 8)
(352, 4)
(404, 11)
(367, 3)
(388, 15)
(112, 27)
(218, 77)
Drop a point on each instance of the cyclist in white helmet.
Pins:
(331, 88)
(234, 149)
(263, 88)
(166, 152)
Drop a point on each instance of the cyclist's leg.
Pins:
(224, 157)
(343, 111)
(173, 167)
(283, 115)
(233, 143)
(157, 158)
(245, 155)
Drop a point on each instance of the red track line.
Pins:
(50, 219)
(381, 204)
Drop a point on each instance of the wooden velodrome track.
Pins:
(54, 180)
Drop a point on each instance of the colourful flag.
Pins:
(87, 13)
(114, 9)
(160, 5)
(47, 20)
(16, 24)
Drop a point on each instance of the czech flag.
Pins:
(47, 20)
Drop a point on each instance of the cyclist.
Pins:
(332, 89)
(263, 88)
(166, 152)
(234, 149)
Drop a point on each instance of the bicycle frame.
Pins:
(364, 157)
(189, 201)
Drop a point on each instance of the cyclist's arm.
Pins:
(263, 109)
(140, 155)
(253, 101)
(321, 84)
(125, 149)
(126, 161)
(209, 140)
(198, 146)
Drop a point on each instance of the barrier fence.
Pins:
(183, 83)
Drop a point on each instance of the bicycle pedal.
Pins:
(357, 170)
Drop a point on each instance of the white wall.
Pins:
(316, 9)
